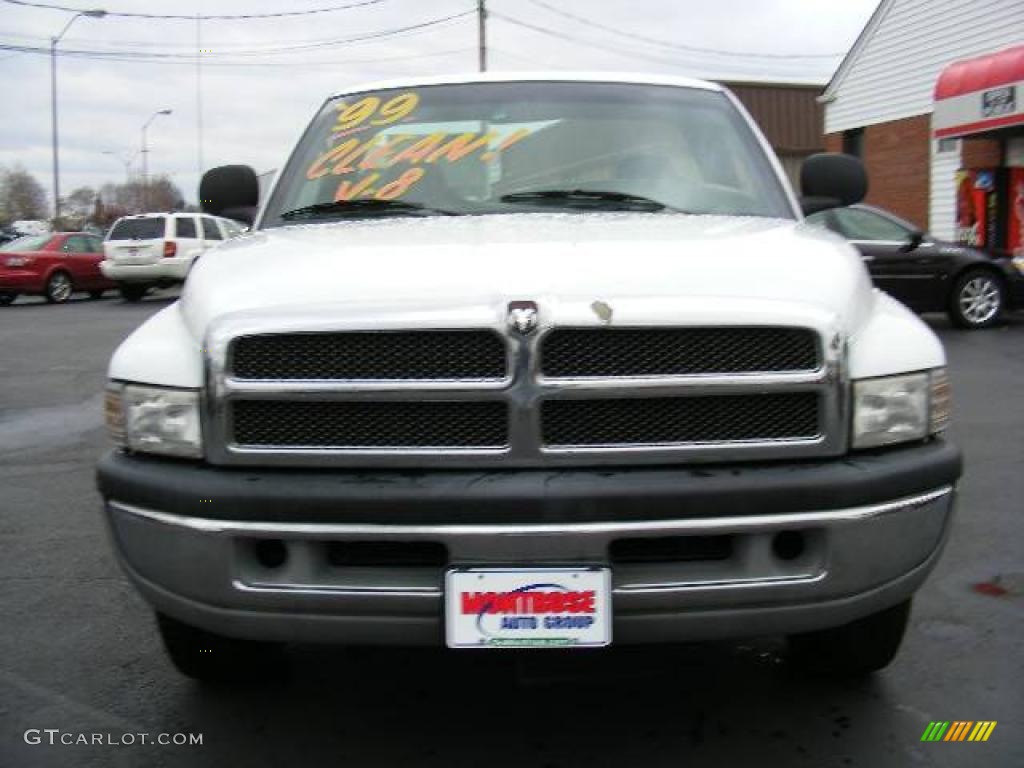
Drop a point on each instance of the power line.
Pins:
(374, 60)
(580, 41)
(166, 46)
(362, 38)
(591, 44)
(187, 50)
(678, 46)
(190, 57)
(182, 17)
(186, 61)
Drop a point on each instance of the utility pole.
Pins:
(481, 16)
(199, 96)
(92, 14)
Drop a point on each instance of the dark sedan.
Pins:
(926, 274)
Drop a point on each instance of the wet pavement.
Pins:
(79, 652)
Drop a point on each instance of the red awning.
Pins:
(981, 94)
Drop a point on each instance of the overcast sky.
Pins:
(255, 102)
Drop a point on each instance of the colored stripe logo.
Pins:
(958, 730)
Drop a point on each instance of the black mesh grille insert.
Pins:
(611, 352)
(674, 420)
(425, 424)
(377, 355)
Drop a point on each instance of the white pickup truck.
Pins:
(541, 361)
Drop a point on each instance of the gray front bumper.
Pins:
(856, 561)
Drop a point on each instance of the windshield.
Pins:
(527, 147)
(138, 229)
(28, 243)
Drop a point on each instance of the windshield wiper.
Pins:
(596, 198)
(363, 207)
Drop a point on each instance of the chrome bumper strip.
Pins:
(703, 525)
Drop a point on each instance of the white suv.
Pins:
(158, 249)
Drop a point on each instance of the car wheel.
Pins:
(855, 649)
(94, 295)
(213, 658)
(977, 300)
(7, 298)
(133, 292)
(59, 288)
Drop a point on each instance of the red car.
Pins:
(54, 266)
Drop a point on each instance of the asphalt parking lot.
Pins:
(79, 653)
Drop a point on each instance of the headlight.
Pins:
(1018, 262)
(896, 409)
(18, 261)
(155, 420)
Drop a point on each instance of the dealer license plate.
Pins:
(528, 608)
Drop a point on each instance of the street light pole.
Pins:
(125, 161)
(94, 14)
(481, 19)
(145, 156)
(53, 119)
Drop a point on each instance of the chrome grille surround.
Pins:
(523, 390)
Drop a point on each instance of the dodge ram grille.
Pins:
(496, 397)
(370, 356)
(679, 420)
(268, 423)
(624, 352)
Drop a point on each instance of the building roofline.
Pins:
(810, 85)
(851, 55)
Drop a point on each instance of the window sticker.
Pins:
(363, 158)
(370, 112)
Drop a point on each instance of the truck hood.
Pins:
(580, 269)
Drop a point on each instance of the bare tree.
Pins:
(80, 202)
(162, 195)
(21, 196)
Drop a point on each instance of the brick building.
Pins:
(881, 103)
(789, 115)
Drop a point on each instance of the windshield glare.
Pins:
(27, 243)
(463, 148)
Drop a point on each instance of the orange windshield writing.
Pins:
(386, 150)
(352, 116)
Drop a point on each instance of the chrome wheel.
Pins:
(59, 288)
(980, 299)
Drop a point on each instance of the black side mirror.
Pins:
(831, 180)
(232, 191)
(914, 240)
